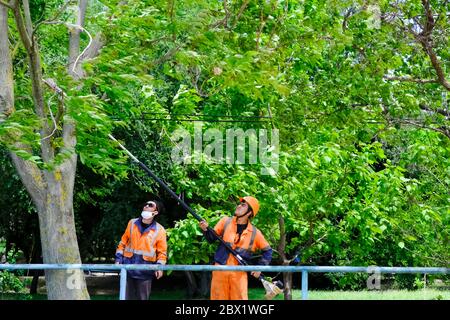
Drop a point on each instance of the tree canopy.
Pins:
(357, 89)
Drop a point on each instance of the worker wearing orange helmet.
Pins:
(143, 242)
(245, 239)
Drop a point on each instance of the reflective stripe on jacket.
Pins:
(251, 240)
(150, 243)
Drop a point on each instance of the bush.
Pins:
(407, 281)
(348, 281)
(10, 281)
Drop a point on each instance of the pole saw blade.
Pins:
(272, 288)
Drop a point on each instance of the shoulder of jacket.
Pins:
(224, 219)
(160, 227)
(258, 232)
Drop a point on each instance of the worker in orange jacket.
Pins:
(143, 242)
(244, 238)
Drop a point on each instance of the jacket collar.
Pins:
(249, 225)
(152, 225)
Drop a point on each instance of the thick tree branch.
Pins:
(424, 38)
(224, 21)
(6, 68)
(31, 176)
(94, 49)
(24, 36)
(443, 112)
(28, 22)
(282, 242)
(436, 65)
(241, 11)
(410, 79)
(443, 129)
(74, 41)
(28, 171)
(7, 5)
(419, 123)
(35, 68)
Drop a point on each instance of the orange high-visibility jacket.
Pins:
(151, 245)
(250, 241)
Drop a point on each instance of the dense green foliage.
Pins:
(364, 163)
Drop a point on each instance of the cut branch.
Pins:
(410, 79)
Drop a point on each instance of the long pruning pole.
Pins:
(183, 204)
(272, 289)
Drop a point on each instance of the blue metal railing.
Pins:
(303, 269)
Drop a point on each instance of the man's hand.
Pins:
(117, 262)
(158, 274)
(203, 225)
(256, 274)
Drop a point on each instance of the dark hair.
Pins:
(160, 207)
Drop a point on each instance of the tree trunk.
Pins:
(287, 279)
(52, 192)
(287, 276)
(59, 245)
(58, 237)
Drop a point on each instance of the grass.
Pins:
(424, 294)
(258, 294)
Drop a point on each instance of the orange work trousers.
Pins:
(229, 285)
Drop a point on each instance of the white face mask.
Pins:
(148, 214)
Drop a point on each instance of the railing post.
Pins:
(123, 283)
(304, 285)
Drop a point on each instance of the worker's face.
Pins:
(150, 206)
(241, 209)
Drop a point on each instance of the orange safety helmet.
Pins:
(253, 203)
